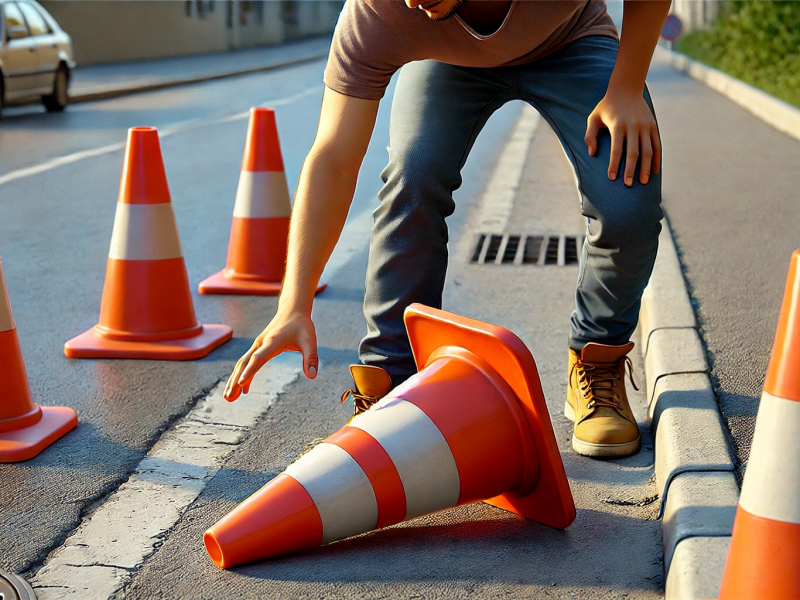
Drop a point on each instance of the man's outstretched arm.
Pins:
(324, 194)
(623, 110)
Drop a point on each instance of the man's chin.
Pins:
(443, 16)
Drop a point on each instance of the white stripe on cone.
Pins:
(262, 195)
(340, 490)
(145, 232)
(419, 452)
(772, 480)
(6, 316)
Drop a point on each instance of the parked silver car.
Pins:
(35, 56)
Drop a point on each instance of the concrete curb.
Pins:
(779, 114)
(694, 470)
(114, 91)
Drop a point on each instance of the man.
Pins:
(461, 61)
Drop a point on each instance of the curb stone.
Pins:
(694, 470)
(774, 112)
(114, 91)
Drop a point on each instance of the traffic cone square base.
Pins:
(224, 283)
(25, 443)
(91, 345)
(428, 329)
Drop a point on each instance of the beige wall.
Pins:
(122, 30)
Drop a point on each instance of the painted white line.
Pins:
(497, 200)
(103, 554)
(165, 131)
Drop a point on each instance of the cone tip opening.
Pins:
(141, 129)
(213, 548)
(261, 110)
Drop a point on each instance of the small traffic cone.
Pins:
(471, 425)
(764, 555)
(260, 229)
(25, 428)
(147, 309)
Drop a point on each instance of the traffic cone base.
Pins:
(551, 501)
(470, 425)
(93, 344)
(23, 444)
(227, 283)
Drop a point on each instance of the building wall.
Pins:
(123, 30)
(696, 14)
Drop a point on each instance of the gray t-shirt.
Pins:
(374, 38)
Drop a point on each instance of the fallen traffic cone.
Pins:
(260, 229)
(147, 309)
(25, 428)
(471, 425)
(764, 555)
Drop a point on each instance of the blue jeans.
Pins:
(437, 112)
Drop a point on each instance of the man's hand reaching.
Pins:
(632, 125)
(291, 331)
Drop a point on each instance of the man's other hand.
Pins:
(631, 124)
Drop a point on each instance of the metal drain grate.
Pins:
(534, 249)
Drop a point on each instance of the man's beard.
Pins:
(453, 10)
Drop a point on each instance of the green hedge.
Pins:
(757, 41)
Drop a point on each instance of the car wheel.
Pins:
(56, 101)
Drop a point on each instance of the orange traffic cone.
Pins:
(471, 425)
(147, 309)
(260, 228)
(25, 428)
(764, 556)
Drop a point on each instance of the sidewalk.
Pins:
(96, 82)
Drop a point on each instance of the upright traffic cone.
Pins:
(764, 555)
(260, 229)
(471, 425)
(25, 428)
(147, 309)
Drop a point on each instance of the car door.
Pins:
(19, 55)
(46, 47)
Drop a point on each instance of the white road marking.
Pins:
(164, 131)
(103, 554)
(497, 201)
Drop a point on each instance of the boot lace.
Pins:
(599, 382)
(361, 403)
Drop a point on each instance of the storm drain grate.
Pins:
(534, 249)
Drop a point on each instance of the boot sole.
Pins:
(601, 450)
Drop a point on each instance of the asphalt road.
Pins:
(55, 228)
(731, 196)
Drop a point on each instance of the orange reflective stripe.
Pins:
(783, 373)
(279, 518)
(262, 151)
(146, 300)
(378, 468)
(257, 249)
(763, 561)
(17, 409)
(144, 180)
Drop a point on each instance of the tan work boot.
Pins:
(598, 404)
(371, 384)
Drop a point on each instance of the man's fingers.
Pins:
(308, 347)
(617, 138)
(632, 155)
(646, 159)
(656, 141)
(263, 354)
(592, 129)
(232, 388)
